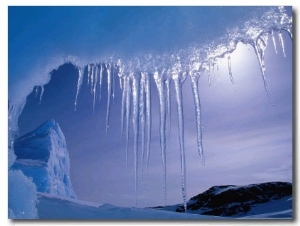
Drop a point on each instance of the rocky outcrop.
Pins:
(231, 200)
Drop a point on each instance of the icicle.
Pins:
(281, 43)
(124, 93)
(167, 82)
(135, 121)
(89, 74)
(208, 77)
(142, 117)
(274, 41)
(41, 94)
(120, 83)
(197, 103)
(127, 115)
(108, 71)
(95, 87)
(120, 70)
(178, 89)
(79, 83)
(92, 78)
(260, 47)
(162, 126)
(229, 71)
(100, 80)
(148, 117)
(123, 87)
(113, 84)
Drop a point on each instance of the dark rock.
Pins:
(232, 200)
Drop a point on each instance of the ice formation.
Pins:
(169, 71)
(22, 198)
(43, 156)
(135, 77)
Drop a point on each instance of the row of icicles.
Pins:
(136, 109)
(136, 99)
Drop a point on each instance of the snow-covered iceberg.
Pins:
(42, 155)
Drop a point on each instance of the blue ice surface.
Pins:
(42, 155)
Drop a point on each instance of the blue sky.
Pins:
(246, 140)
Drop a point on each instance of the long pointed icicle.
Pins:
(274, 41)
(208, 77)
(121, 83)
(120, 71)
(162, 126)
(168, 96)
(113, 84)
(127, 115)
(124, 93)
(281, 42)
(92, 77)
(79, 83)
(135, 121)
(178, 90)
(89, 74)
(142, 118)
(194, 79)
(108, 71)
(100, 80)
(148, 117)
(95, 86)
(260, 47)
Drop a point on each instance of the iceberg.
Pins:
(43, 156)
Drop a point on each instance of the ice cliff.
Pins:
(43, 156)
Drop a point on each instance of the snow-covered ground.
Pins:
(54, 207)
(279, 209)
